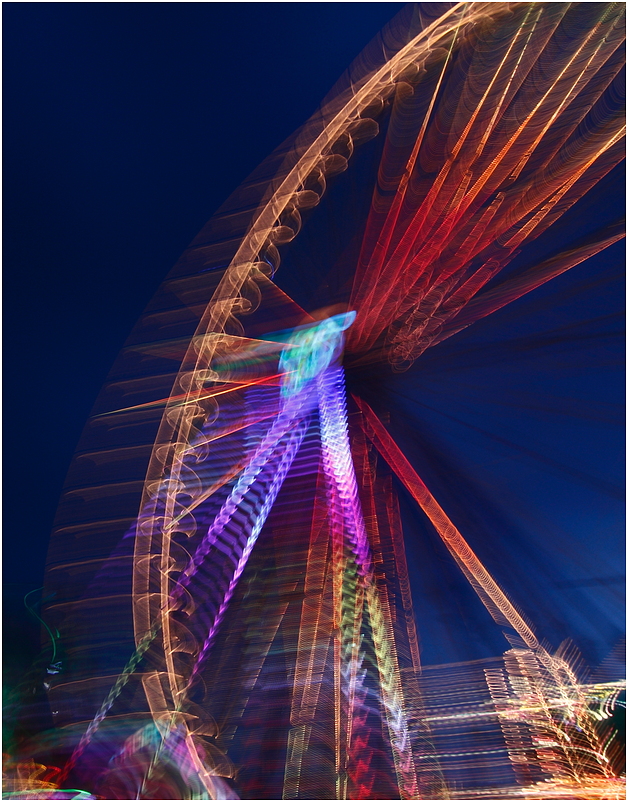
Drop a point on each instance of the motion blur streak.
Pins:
(250, 573)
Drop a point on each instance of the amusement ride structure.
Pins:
(235, 572)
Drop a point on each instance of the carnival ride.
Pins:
(251, 631)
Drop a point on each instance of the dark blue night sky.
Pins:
(126, 126)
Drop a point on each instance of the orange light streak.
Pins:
(199, 395)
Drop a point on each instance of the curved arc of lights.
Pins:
(178, 448)
(180, 445)
(172, 444)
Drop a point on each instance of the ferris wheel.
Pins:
(257, 629)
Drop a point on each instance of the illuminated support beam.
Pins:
(491, 595)
(359, 587)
